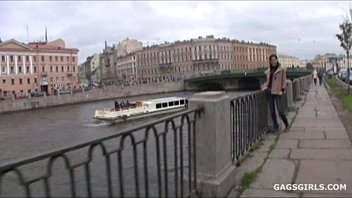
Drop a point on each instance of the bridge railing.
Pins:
(229, 127)
(248, 117)
(157, 159)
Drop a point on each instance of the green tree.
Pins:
(345, 39)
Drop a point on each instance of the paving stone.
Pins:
(279, 153)
(266, 193)
(326, 143)
(275, 171)
(326, 154)
(302, 135)
(286, 143)
(327, 194)
(326, 172)
(336, 135)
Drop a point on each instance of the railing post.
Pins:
(214, 165)
(298, 90)
(289, 90)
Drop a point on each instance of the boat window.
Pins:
(158, 105)
(182, 102)
(177, 102)
(171, 104)
(164, 104)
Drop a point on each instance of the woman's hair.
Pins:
(271, 56)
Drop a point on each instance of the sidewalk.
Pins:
(315, 151)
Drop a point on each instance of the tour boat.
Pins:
(142, 109)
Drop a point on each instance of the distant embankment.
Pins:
(109, 92)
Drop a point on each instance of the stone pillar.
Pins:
(301, 82)
(289, 90)
(214, 164)
(298, 89)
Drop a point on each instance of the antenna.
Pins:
(27, 34)
(46, 35)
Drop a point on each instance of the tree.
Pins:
(345, 39)
(309, 66)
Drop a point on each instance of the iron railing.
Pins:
(248, 122)
(157, 159)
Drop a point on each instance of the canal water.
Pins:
(29, 133)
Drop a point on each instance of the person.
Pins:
(116, 105)
(315, 76)
(275, 86)
(320, 76)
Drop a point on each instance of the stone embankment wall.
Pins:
(93, 95)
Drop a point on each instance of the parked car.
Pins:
(343, 76)
(341, 72)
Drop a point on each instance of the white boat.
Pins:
(142, 109)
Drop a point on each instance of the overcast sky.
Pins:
(297, 28)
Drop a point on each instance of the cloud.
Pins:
(301, 29)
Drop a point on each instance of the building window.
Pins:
(19, 69)
(27, 58)
(35, 80)
(43, 58)
(11, 58)
(20, 81)
(12, 81)
(3, 70)
(3, 58)
(43, 68)
(51, 79)
(27, 69)
(19, 58)
(62, 68)
(3, 81)
(34, 69)
(57, 69)
(28, 81)
(51, 68)
(73, 59)
(68, 68)
(67, 58)
(12, 70)
(50, 58)
(34, 58)
(56, 59)
(62, 59)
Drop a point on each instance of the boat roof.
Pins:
(168, 99)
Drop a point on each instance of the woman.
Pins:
(275, 87)
(315, 76)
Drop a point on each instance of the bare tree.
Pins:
(345, 39)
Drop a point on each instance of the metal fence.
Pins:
(157, 159)
(248, 122)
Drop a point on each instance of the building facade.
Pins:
(37, 67)
(288, 61)
(90, 71)
(184, 59)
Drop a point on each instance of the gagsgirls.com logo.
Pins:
(310, 187)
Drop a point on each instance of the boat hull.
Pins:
(139, 116)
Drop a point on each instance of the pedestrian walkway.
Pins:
(315, 152)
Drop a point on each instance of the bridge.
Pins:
(227, 80)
